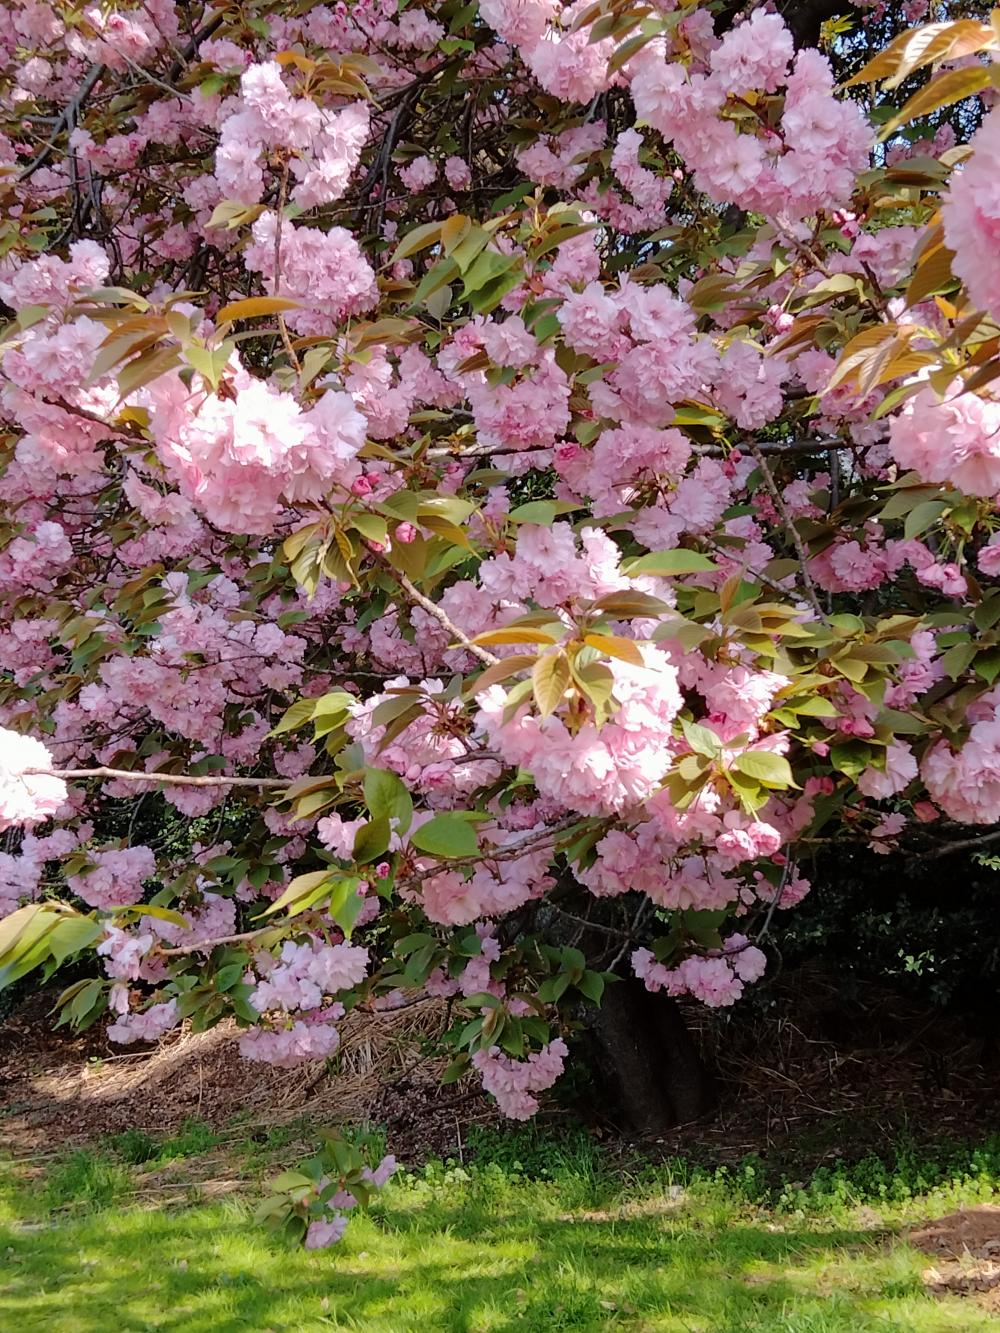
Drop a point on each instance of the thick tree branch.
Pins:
(66, 121)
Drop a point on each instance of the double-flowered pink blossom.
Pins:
(971, 217)
(26, 796)
(239, 452)
(514, 1083)
(966, 783)
(955, 439)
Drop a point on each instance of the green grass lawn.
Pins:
(89, 1245)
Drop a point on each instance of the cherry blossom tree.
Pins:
(487, 489)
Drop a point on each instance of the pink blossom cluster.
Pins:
(966, 783)
(113, 877)
(326, 1231)
(953, 439)
(808, 162)
(26, 796)
(550, 567)
(324, 272)
(47, 280)
(560, 160)
(290, 1045)
(238, 455)
(597, 769)
(21, 872)
(717, 980)
(307, 972)
(496, 886)
(144, 1024)
(236, 657)
(971, 217)
(900, 770)
(325, 144)
(566, 63)
(211, 918)
(514, 1083)
(433, 752)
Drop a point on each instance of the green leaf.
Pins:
(701, 739)
(302, 892)
(448, 835)
(386, 796)
(987, 666)
(816, 706)
(957, 659)
(161, 914)
(290, 1180)
(591, 984)
(553, 989)
(550, 678)
(24, 939)
(456, 1069)
(371, 526)
(772, 770)
(229, 976)
(372, 840)
(473, 241)
(346, 904)
(851, 759)
(434, 279)
(922, 516)
(87, 1003)
(543, 512)
(703, 927)
(668, 563)
(487, 267)
(72, 935)
(298, 715)
(838, 284)
(429, 233)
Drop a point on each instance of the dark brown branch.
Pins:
(168, 779)
(66, 121)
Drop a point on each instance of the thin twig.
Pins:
(963, 845)
(279, 218)
(792, 530)
(168, 779)
(775, 900)
(65, 121)
(206, 946)
(442, 618)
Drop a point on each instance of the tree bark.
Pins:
(652, 1074)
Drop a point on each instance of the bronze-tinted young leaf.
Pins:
(253, 307)
(502, 670)
(550, 678)
(615, 646)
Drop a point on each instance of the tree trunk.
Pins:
(647, 1061)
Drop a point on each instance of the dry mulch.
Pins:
(817, 1076)
(57, 1088)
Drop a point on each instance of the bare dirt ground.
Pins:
(965, 1248)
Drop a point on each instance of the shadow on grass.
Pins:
(430, 1266)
